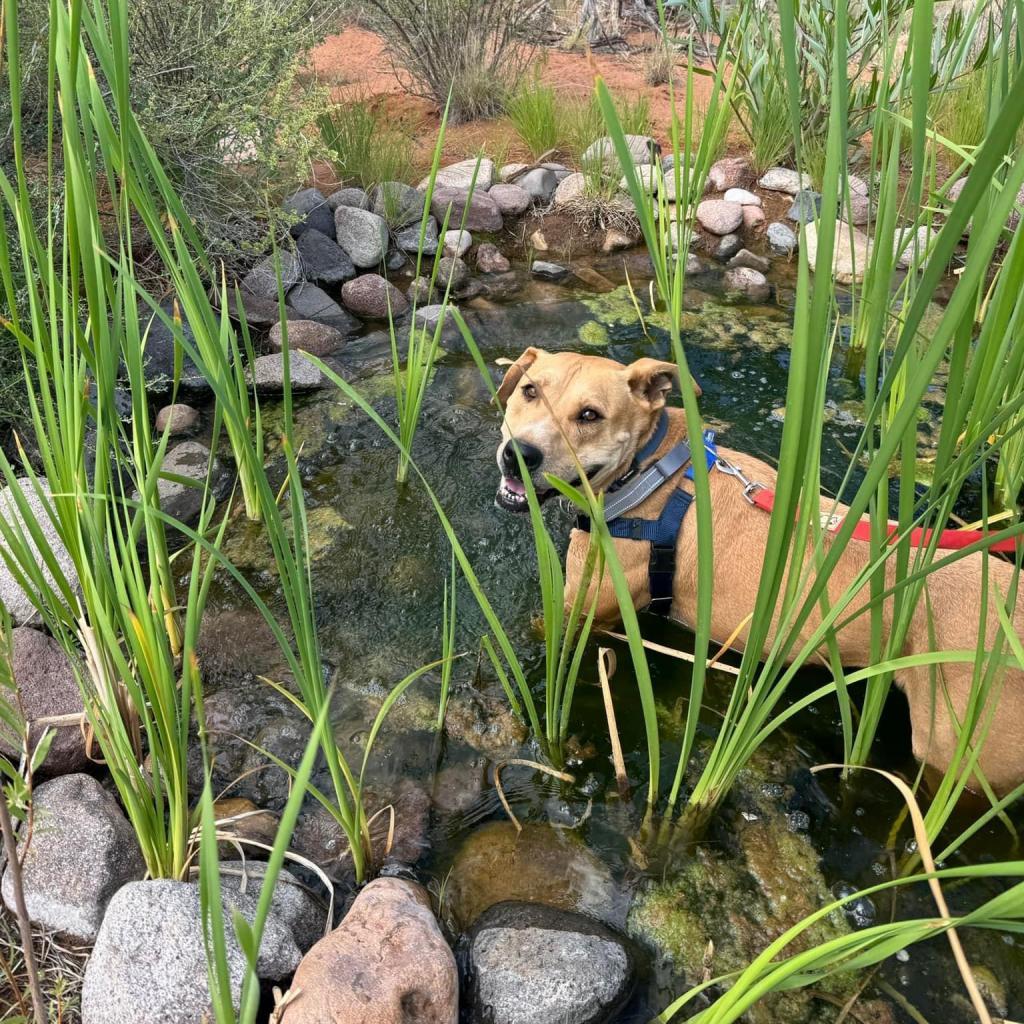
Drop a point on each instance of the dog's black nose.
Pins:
(532, 457)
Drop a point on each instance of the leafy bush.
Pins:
(533, 110)
(475, 51)
(364, 147)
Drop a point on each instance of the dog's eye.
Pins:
(530, 391)
(589, 416)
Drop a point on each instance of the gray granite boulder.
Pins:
(408, 239)
(642, 149)
(461, 175)
(730, 172)
(268, 373)
(751, 284)
(534, 964)
(83, 851)
(363, 235)
(539, 184)
(784, 179)
(548, 271)
(454, 269)
(17, 601)
(182, 478)
(746, 258)
(313, 303)
(262, 279)
(356, 197)
(782, 240)
(46, 688)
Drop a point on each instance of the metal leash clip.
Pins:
(749, 486)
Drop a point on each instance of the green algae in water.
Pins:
(593, 333)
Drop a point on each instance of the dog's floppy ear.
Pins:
(514, 373)
(653, 379)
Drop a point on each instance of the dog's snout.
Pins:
(532, 457)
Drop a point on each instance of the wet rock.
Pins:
(355, 197)
(17, 601)
(532, 964)
(642, 148)
(408, 239)
(746, 258)
(428, 316)
(308, 336)
(313, 303)
(512, 200)
(397, 203)
(149, 962)
(727, 246)
(781, 239)
(268, 373)
(476, 213)
(548, 271)
(541, 864)
(499, 286)
(46, 688)
(373, 297)
(160, 342)
(83, 850)
(324, 262)
(742, 196)
(453, 269)
(182, 479)
(462, 175)
(569, 188)
(177, 419)
(247, 824)
(747, 282)
(806, 206)
(386, 963)
(730, 172)
(489, 259)
(262, 279)
(419, 291)
(719, 217)
(363, 235)
(310, 207)
(539, 184)
(616, 240)
(852, 251)
(860, 912)
(784, 179)
(753, 218)
(457, 243)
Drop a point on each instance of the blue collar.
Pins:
(654, 443)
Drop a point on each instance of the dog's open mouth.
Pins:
(511, 495)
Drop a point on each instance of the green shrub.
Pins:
(472, 50)
(767, 123)
(365, 148)
(533, 110)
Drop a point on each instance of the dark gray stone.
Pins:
(46, 688)
(727, 246)
(534, 964)
(310, 205)
(158, 355)
(83, 850)
(408, 239)
(782, 240)
(313, 303)
(324, 262)
(806, 207)
(262, 279)
(746, 258)
(395, 259)
(453, 268)
(268, 374)
(189, 461)
(356, 197)
(540, 183)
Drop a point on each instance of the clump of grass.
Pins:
(582, 125)
(533, 110)
(815, 153)
(660, 65)
(960, 111)
(634, 113)
(768, 125)
(366, 148)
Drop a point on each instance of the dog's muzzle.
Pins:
(511, 494)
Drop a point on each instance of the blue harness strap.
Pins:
(663, 532)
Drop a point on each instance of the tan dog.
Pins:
(563, 407)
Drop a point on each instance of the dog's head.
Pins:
(564, 411)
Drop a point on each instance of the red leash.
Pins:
(953, 540)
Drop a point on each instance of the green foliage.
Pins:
(533, 110)
(365, 147)
(461, 53)
(766, 116)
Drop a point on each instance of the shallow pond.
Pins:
(380, 562)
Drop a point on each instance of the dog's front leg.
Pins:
(600, 587)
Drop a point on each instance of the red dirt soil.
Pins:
(355, 64)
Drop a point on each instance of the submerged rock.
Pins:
(83, 850)
(46, 687)
(548, 271)
(386, 963)
(489, 259)
(541, 864)
(531, 964)
(747, 282)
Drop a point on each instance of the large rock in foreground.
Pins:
(532, 964)
(47, 688)
(18, 603)
(386, 963)
(149, 962)
(83, 850)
